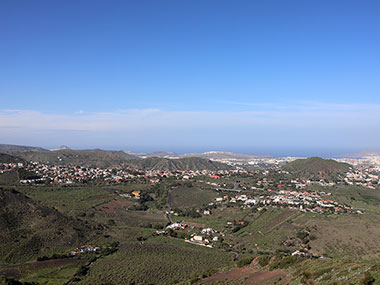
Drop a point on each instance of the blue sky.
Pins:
(280, 77)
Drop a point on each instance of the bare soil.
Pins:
(112, 206)
(247, 275)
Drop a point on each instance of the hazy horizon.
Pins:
(275, 152)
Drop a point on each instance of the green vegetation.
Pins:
(70, 199)
(30, 230)
(244, 261)
(176, 260)
(9, 178)
(189, 196)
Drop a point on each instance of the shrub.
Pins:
(302, 235)
(244, 261)
(284, 262)
(82, 270)
(264, 260)
(368, 279)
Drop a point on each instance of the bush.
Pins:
(82, 271)
(264, 260)
(244, 261)
(368, 279)
(284, 262)
(302, 235)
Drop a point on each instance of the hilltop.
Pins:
(10, 148)
(316, 167)
(30, 230)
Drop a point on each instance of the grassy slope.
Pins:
(355, 236)
(10, 178)
(172, 261)
(187, 197)
(69, 199)
(30, 229)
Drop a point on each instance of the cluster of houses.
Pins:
(205, 237)
(60, 174)
(4, 167)
(83, 249)
(315, 202)
(364, 177)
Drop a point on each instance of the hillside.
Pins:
(190, 163)
(7, 158)
(9, 148)
(316, 167)
(29, 230)
(90, 158)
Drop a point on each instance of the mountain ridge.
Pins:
(11, 148)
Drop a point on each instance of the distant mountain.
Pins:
(62, 147)
(220, 155)
(89, 158)
(162, 154)
(187, 163)
(10, 148)
(362, 154)
(316, 167)
(29, 230)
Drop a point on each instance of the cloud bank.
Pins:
(309, 124)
